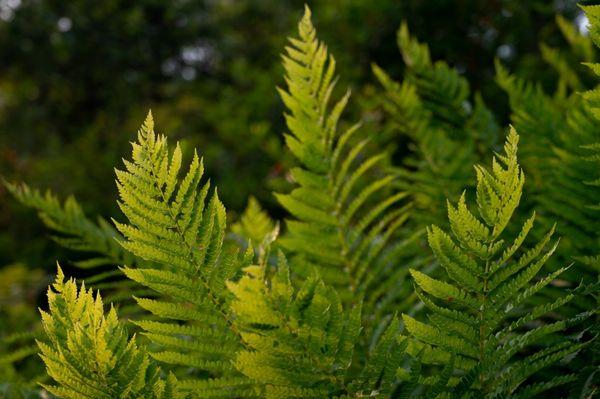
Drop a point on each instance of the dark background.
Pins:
(77, 78)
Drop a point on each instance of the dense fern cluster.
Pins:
(401, 280)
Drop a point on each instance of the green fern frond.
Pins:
(478, 313)
(439, 164)
(538, 119)
(570, 193)
(431, 107)
(300, 343)
(73, 229)
(568, 77)
(344, 219)
(89, 353)
(444, 92)
(254, 224)
(176, 226)
(77, 232)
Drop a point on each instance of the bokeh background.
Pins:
(77, 78)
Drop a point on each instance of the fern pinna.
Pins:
(479, 316)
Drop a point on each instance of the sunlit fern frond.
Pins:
(301, 341)
(345, 219)
(178, 226)
(89, 354)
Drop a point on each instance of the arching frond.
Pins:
(431, 107)
(74, 230)
(444, 92)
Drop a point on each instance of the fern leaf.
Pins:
(179, 228)
(89, 354)
(345, 220)
(474, 311)
(300, 342)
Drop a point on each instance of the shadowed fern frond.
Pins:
(447, 131)
(74, 230)
(479, 313)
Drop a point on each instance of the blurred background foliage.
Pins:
(77, 78)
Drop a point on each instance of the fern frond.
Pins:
(431, 107)
(77, 232)
(179, 228)
(89, 354)
(444, 92)
(301, 342)
(73, 229)
(538, 119)
(476, 311)
(556, 134)
(581, 48)
(254, 223)
(345, 220)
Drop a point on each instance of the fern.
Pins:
(75, 231)
(254, 224)
(444, 92)
(174, 226)
(538, 117)
(344, 220)
(556, 132)
(223, 317)
(431, 107)
(300, 343)
(89, 354)
(239, 338)
(582, 49)
(477, 312)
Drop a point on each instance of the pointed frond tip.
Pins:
(89, 354)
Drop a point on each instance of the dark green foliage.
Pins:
(447, 130)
